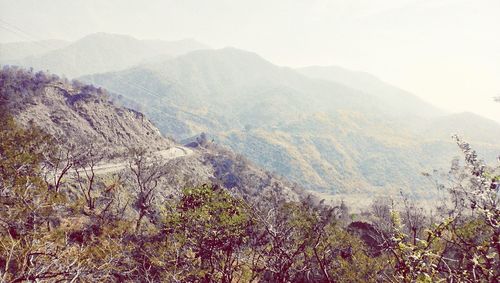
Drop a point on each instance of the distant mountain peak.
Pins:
(103, 52)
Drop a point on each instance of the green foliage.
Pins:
(349, 146)
(27, 205)
(51, 232)
(463, 245)
(210, 227)
(415, 262)
(21, 187)
(351, 261)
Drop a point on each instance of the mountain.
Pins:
(204, 214)
(102, 52)
(429, 123)
(365, 82)
(78, 115)
(332, 136)
(229, 88)
(19, 50)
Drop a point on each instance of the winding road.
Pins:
(166, 154)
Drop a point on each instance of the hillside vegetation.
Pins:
(82, 119)
(349, 134)
(153, 221)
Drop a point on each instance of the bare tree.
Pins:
(288, 231)
(147, 171)
(85, 169)
(56, 166)
(413, 217)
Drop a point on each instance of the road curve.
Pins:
(166, 154)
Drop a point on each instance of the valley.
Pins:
(132, 160)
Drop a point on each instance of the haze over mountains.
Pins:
(20, 50)
(99, 52)
(398, 98)
(326, 128)
(82, 119)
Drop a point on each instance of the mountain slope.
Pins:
(78, 115)
(442, 125)
(74, 112)
(398, 98)
(102, 52)
(324, 135)
(226, 89)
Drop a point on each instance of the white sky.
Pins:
(445, 51)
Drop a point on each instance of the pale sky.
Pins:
(445, 51)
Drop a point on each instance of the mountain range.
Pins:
(99, 52)
(326, 128)
(328, 134)
(81, 118)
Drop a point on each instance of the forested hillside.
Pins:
(342, 133)
(82, 120)
(208, 215)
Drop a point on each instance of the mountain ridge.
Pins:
(83, 117)
(326, 134)
(369, 83)
(321, 134)
(101, 52)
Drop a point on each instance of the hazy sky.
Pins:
(445, 51)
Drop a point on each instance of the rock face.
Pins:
(75, 113)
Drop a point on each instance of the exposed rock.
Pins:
(77, 114)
